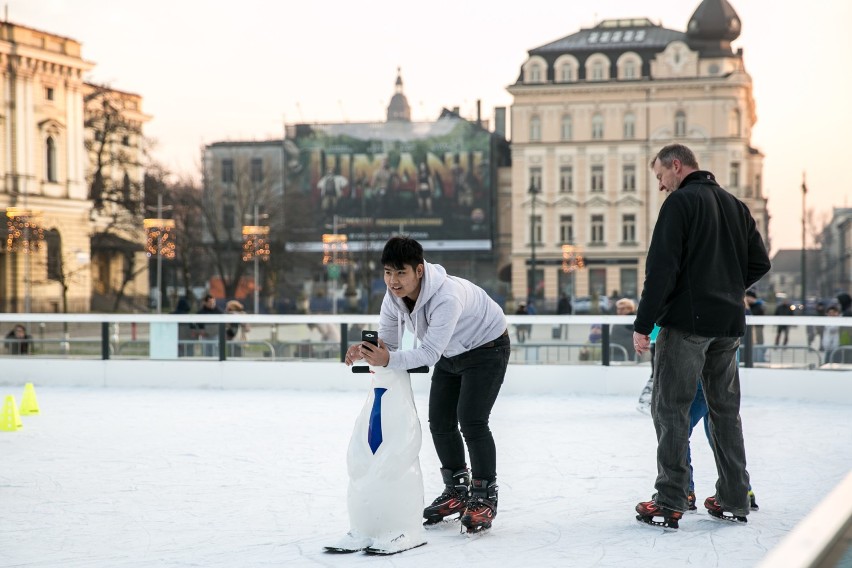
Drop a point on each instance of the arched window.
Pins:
(629, 69)
(53, 243)
(535, 129)
(565, 131)
(50, 154)
(629, 126)
(566, 74)
(535, 73)
(125, 188)
(597, 71)
(680, 124)
(597, 127)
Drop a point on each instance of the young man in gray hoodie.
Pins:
(462, 332)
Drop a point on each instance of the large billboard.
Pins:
(368, 181)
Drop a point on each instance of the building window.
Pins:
(535, 129)
(629, 283)
(228, 217)
(629, 126)
(125, 140)
(50, 154)
(680, 124)
(597, 281)
(736, 122)
(535, 73)
(735, 174)
(535, 178)
(566, 179)
(125, 188)
(628, 228)
(628, 178)
(597, 179)
(565, 131)
(54, 254)
(597, 71)
(566, 229)
(227, 170)
(48, 93)
(597, 227)
(535, 229)
(566, 74)
(257, 170)
(758, 184)
(597, 127)
(630, 69)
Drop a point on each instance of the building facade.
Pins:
(46, 167)
(590, 111)
(835, 265)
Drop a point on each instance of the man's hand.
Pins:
(641, 343)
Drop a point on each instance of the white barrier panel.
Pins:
(820, 540)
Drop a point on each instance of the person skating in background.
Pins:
(447, 315)
(701, 229)
(782, 332)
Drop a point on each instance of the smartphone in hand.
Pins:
(370, 337)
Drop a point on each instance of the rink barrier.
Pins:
(823, 539)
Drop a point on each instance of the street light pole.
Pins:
(531, 279)
(256, 290)
(159, 255)
(804, 264)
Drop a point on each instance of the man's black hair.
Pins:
(402, 251)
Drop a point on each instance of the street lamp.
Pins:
(160, 242)
(332, 244)
(255, 248)
(531, 279)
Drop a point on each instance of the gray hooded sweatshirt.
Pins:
(451, 316)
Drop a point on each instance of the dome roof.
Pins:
(714, 21)
(399, 109)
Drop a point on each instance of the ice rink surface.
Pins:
(162, 477)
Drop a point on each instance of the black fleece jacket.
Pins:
(705, 252)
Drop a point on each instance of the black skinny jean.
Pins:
(464, 388)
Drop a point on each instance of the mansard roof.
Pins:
(620, 35)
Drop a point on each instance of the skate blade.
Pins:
(338, 550)
(430, 524)
(668, 525)
(383, 552)
(728, 517)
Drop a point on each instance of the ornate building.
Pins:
(590, 111)
(45, 260)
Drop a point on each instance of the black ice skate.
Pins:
(452, 500)
(651, 514)
(481, 507)
(717, 511)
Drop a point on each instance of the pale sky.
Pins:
(212, 70)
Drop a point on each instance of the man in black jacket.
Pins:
(705, 252)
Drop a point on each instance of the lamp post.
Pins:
(531, 279)
(332, 243)
(804, 264)
(256, 248)
(158, 230)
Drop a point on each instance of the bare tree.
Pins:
(117, 153)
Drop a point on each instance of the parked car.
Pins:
(583, 305)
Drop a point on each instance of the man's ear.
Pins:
(419, 270)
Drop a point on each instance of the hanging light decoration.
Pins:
(23, 233)
(160, 239)
(255, 242)
(571, 259)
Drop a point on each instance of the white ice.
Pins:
(178, 477)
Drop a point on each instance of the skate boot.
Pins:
(752, 502)
(452, 500)
(690, 500)
(651, 514)
(717, 511)
(481, 507)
